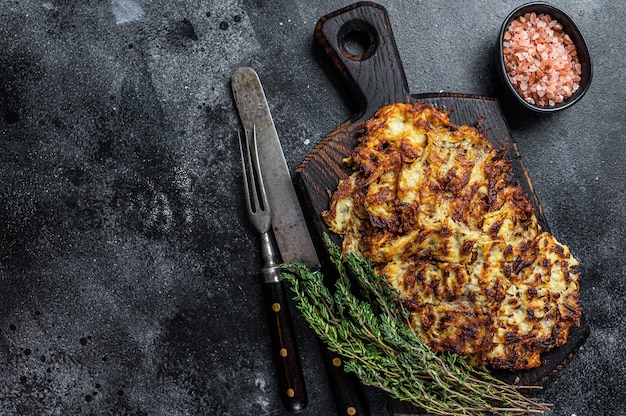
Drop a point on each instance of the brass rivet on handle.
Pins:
(283, 352)
(351, 411)
(291, 393)
(276, 307)
(337, 362)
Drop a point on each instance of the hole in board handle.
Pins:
(358, 40)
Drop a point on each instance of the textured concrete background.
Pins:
(128, 269)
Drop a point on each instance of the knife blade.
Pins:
(288, 223)
(289, 226)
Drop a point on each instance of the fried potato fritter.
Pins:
(433, 206)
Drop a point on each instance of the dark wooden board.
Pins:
(373, 78)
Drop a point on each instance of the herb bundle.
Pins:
(369, 327)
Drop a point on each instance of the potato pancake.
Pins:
(433, 206)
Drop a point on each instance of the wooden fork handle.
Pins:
(291, 379)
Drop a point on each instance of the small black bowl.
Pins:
(581, 49)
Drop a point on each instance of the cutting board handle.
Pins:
(359, 41)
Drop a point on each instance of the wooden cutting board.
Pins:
(359, 42)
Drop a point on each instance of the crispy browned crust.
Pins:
(432, 205)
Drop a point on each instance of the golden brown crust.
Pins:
(432, 205)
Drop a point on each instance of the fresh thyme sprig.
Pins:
(370, 330)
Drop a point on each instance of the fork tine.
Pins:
(262, 204)
(256, 197)
(245, 156)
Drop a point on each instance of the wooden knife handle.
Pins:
(349, 398)
(291, 379)
(360, 42)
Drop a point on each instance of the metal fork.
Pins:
(259, 210)
(293, 390)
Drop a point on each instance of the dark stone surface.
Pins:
(128, 269)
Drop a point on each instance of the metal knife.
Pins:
(290, 229)
(289, 226)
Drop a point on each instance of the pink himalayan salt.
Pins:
(541, 60)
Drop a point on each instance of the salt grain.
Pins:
(541, 60)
